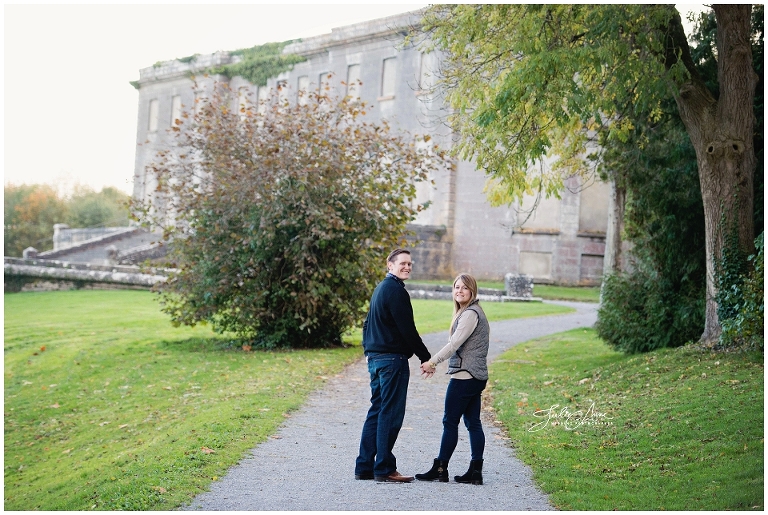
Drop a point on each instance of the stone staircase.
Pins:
(129, 245)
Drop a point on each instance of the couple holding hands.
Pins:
(390, 338)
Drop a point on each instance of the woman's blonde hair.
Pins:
(470, 283)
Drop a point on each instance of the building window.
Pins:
(324, 81)
(175, 110)
(427, 71)
(242, 97)
(303, 90)
(593, 208)
(353, 81)
(263, 98)
(539, 215)
(282, 91)
(154, 111)
(199, 99)
(388, 78)
(242, 102)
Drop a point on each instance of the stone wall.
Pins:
(431, 256)
(37, 274)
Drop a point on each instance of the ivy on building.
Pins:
(259, 63)
(187, 59)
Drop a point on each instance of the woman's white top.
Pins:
(466, 324)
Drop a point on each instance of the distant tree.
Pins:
(29, 215)
(32, 210)
(106, 208)
(528, 81)
(280, 216)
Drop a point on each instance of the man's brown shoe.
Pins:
(394, 477)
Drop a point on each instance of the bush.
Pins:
(281, 219)
(741, 304)
(639, 313)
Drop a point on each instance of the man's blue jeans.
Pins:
(389, 386)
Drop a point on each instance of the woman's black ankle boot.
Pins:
(438, 472)
(474, 475)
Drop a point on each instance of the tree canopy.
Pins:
(536, 82)
(552, 85)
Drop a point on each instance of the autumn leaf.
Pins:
(55, 405)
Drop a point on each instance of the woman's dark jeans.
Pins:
(389, 387)
(462, 398)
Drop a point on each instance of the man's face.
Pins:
(401, 267)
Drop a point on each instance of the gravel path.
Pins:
(309, 463)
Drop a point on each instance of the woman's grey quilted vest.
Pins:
(472, 356)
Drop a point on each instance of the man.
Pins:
(390, 338)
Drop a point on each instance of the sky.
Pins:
(69, 111)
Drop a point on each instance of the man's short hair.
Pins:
(393, 255)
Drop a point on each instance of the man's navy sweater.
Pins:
(389, 326)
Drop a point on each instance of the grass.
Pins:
(544, 291)
(573, 293)
(676, 429)
(109, 407)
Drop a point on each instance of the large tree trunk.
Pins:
(721, 132)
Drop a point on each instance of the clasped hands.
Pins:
(428, 369)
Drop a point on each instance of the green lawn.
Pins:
(574, 293)
(676, 429)
(544, 291)
(109, 407)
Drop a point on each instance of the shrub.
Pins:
(639, 313)
(281, 217)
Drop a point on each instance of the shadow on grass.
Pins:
(230, 344)
(202, 344)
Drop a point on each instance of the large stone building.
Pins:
(563, 240)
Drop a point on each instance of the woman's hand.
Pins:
(428, 369)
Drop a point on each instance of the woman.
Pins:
(468, 351)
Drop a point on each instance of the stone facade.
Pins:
(562, 242)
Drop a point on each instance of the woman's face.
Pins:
(461, 293)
